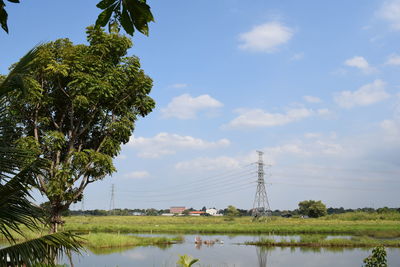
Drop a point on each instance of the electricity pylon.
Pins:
(261, 205)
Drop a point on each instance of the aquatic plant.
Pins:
(186, 261)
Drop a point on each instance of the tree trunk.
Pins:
(55, 217)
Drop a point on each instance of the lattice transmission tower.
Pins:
(261, 205)
(112, 200)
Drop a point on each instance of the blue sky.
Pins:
(313, 84)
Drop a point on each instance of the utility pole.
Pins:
(261, 205)
(112, 201)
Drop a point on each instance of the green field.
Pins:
(359, 224)
(99, 232)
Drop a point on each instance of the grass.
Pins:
(107, 240)
(389, 227)
(321, 241)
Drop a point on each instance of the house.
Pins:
(212, 212)
(176, 210)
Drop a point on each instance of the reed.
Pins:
(321, 241)
(107, 240)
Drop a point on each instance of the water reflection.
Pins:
(229, 254)
(262, 255)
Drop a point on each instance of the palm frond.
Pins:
(15, 207)
(40, 250)
(14, 79)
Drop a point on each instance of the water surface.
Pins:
(230, 254)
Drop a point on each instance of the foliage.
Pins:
(232, 211)
(4, 15)
(16, 178)
(80, 106)
(356, 216)
(312, 208)
(40, 250)
(186, 261)
(129, 14)
(186, 212)
(211, 224)
(377, 258)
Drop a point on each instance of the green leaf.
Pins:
(3, 18)
(126, 22)
(140, 14)
(41, 250)
(105, 16)
(20, 70)
(105, 3)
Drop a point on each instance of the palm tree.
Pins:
(16, 179)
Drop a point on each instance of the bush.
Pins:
(377, 258)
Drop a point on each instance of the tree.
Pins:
(130, 14)
(79, 108)
(16, 209)
(186, 212)
(312, 208)
(377, 258)
(232, 211)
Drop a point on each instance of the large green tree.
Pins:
(80, 106)
(312, 208)
(130, 14)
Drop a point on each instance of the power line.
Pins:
(205, 185)
(197, 181)
(194, 191)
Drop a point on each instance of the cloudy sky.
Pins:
(313, 84)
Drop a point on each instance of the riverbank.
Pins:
(389, 228)
(321, 241)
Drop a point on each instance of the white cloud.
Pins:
(168, 144)
(208, 164)
(178, 85)
(312, 99)
(186, 107)
(390, 11)
(323, 111)
(366, 95)
(260, 118)
(312, 135)
(360, 63)
(393, 59)
(315, 146)
(137, 175)
(266, 37)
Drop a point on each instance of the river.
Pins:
(229, 253)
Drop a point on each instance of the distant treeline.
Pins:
(242, 212)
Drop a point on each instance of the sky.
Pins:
(313, 84)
